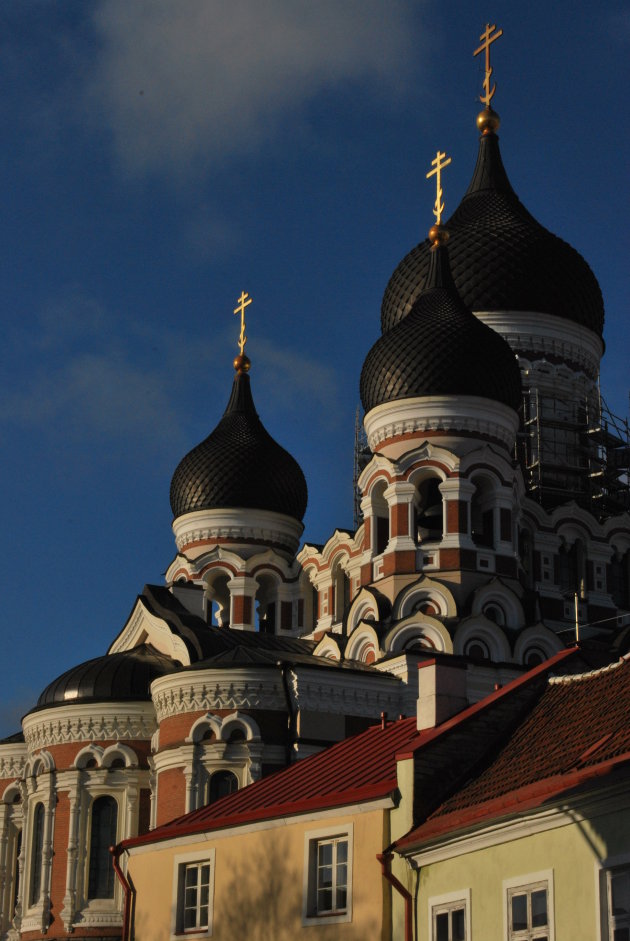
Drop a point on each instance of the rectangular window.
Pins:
(449, 916)
(332, 876)
(328, 876)
(529, 913)
(618, 881)
(193, 887)
(196, 896)
(449, 923)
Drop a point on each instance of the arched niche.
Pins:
(421, 633)
(498, 604)
(479, 630)
(421, 597)
(363, 645)
(536, 644)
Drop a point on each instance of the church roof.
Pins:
(357, 769)
(501, 257)
(440, 348)
(117, 677)
(239, 465)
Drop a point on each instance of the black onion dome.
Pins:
(501, 257)
(440, 348)
(117, 677)
(239, 465)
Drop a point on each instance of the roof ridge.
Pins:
(578, 677)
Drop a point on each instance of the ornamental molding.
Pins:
(12, 760)
(217, 689)
(529, 331)
(366, 697)
(469, 414)
(246, 525)
(89, 722)
(143, 627)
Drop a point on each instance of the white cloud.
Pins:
(191, 83)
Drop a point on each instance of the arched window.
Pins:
(428, 510)
(37, 855)
(380, 518)
(102, 836)
(482, 513)
(222, 783)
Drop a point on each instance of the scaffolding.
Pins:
(362, 457)
(575, 449)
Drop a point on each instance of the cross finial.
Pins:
(243, 302)
(487, 38)
(438, 165)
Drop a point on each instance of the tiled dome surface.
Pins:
(440, 348)
(501, 257)
(120, 676)
(239, 465)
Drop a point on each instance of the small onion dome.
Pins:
(440, 348)
(239, 465)
(501, 257)
(117, 677)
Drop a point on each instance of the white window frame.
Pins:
(527, 883)
(448, 902)
(602, 875)
(179, 869)
(312, 839)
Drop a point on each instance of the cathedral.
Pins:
(493, 532)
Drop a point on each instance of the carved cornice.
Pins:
(218, 689)
(468, 415)
(12, 760)
(237, 525)
(89, 722)
(363, 696)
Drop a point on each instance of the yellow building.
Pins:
(536, 847)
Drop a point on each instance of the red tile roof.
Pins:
(577, 730)
(360, 768)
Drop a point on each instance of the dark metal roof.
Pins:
(440, 348)
(118, 677)
(14, 739)
(501, 257)
(239, 465)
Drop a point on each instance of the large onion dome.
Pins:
(502, 259)
(440, 348)
(239, 465)
(117, 677)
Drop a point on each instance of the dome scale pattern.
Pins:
(239, 465)
(440, 348)
(501, 257)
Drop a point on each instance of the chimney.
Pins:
(441, 692)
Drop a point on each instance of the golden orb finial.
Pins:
(438, 235)
(242, 363)
(488, 121)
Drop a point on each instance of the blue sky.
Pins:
(158, 158)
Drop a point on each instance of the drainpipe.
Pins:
(292, 724)
(385, 860)
(127, 890)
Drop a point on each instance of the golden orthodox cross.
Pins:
(438, 164)
(487, 38)
(243, 301)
